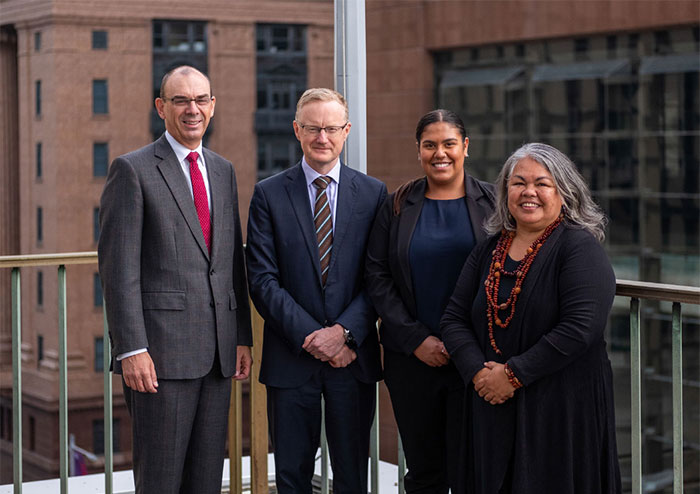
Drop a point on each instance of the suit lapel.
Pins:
(478, 207)
(299, 198)
(217, 189)
(171, 171)
(410, 212)
(344, 203)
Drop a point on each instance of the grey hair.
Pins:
(579, 208)
(321, 94)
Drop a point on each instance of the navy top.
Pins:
(441, 242)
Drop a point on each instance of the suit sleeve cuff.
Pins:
(122, 356)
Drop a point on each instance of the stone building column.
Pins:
(9, 188)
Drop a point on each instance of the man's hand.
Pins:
(325, 343)
(139, 373)
(343, 358)
(244, 362)
(493, 385)
(432, 352)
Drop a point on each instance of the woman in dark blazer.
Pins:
(417, 247)
(525, 329)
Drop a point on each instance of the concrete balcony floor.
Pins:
(123, 481)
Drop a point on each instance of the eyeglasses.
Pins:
(182, 101)
(314, 130)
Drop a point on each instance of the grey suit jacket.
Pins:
(162, 288)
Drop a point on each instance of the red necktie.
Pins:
(201, 202)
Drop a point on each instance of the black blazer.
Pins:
(557, 434)
(285, 276)
(388, 270)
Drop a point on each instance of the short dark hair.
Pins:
(182, 69)
(440, 115)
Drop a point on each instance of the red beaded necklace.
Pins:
(497, 270)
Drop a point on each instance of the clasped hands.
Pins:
(328, 345)
(432, 352)
(492, 384)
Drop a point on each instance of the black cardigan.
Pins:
(388, 270)
(558, 432)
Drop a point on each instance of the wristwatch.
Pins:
(349, 339)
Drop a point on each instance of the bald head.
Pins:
(182, 70)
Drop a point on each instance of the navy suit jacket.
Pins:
(284, 273)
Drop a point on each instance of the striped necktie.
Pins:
(324, 225)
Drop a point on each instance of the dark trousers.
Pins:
(179, 434)
(295, 426)
(428, 403)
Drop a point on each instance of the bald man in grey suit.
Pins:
(172, 269)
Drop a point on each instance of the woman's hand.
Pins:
(492, 383)
(432, 352)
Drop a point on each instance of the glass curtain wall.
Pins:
(626, 108)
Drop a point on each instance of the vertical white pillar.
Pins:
(351, 76)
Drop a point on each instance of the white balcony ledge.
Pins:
(123, 482)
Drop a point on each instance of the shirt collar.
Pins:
(312, 174)
(182, 151)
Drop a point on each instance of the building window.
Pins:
(40, 289)
(32, 433)
(99, 40)
(39, 225)
(39, 349)
(100, 159)
(96, 224)
(37, 41)
(39, 170)
(97, 290)
(99, 354)
(179, 36)
(98, 436)
(173, 42)
(37, 95)
(99, 97)
(281, 64)
(277, 38)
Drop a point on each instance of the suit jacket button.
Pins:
(211, 273)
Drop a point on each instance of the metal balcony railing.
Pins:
(258, 427)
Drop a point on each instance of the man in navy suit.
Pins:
(307, 234)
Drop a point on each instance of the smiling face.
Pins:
(533, 199)
(187, 123)
(321, 150)
(441, 151)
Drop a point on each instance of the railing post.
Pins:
(401, 460)
(324, 450)
(636, 399)
(235, 438)
(108, 427)
(677, 366)
(62, 381)
(259, 445)
(374, 443)
(16, 381)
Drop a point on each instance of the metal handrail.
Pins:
(635, 289)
